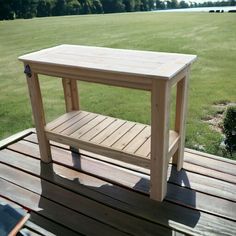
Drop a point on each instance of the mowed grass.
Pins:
(213, 78)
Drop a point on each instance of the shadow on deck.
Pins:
(88, 194)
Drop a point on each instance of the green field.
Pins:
(213, 79)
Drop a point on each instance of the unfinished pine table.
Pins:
(139, 144)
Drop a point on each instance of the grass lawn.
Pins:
(210, 36)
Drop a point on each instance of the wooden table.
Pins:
(148, 146)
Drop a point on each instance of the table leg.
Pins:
(70, 94)
(39, 118)
(160, 109)
(71, 98)
(180, 119)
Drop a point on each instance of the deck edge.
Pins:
(211, 156)
(15, 137)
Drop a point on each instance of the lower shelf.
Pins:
(120, 139)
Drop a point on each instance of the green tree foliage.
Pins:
(229, 127)
(160, 5)
(73, 7)
(60, 8)
(172, 4)
(129, 5)
(183, 4)
(11, 9)
(45, 7)
(6, 10)
(112, 6)
(97, 7)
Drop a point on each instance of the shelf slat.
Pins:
(124, 140)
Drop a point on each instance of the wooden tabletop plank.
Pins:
(146, 63)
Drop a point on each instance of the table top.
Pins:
(132, 62)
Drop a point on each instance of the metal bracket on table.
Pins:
(27, 71)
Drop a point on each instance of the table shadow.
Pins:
(179, 206)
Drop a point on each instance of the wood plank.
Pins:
(215, 184)
(33, 138)
(15, 137)
(198, 182)
(63, 118)
(54, 211)
(153, 210)
(47, 227)
(210, 172)
(144, 150)
(186, 196)
(98, 129)
(218, 165)
(107, 60)
(70, 122)
(188, 179)
(139, 140)
(211, 156)
(108, 131)
(126, 81)
(100, 149)
(80, 124)
(87, 127)
(102, 213)
(128, 137)
(117, 134)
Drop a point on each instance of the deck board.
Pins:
(99, 195)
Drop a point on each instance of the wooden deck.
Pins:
(88, 194)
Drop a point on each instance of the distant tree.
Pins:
(232, 2)
(129, 5)
(85, 7)
(45, 7)
(60, 8)
(160, 5)
(25, 8)
(97, 7)
(111, 6)
(172, 4)
(72, 7)
(6, 10)
(151, 5)
(183, 4)
(137, 6)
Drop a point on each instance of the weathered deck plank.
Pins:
(98, 186)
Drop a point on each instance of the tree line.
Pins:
(13, 9)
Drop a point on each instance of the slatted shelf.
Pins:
(120, 139)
